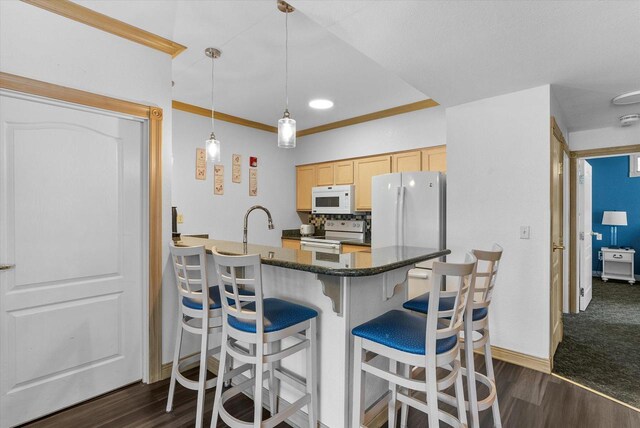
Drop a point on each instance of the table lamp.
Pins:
(614, 219)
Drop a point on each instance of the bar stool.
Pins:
(414, 341)
(189, 265)
(476, 326)
(262, 322)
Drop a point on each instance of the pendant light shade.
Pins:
(212, 144)
(213, 149)
(286, 125)
(286, 132)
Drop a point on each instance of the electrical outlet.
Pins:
(180, 218)
(598, 236)
(525, 232)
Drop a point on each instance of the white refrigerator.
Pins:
(409, 209)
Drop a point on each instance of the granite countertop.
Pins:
(294, 234)
(362, 263)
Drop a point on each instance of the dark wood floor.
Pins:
(528, 399)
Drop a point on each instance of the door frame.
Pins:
(153, 116)
(573, 202)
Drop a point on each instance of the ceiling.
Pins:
(249, 78)
(461, 51)
(371, 55)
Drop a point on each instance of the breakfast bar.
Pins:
(346, 290)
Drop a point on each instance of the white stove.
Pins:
(337, 232)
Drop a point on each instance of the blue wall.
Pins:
(614, 190)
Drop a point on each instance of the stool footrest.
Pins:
(423, 407)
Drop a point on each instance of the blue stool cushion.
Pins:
(421, 304)
(403, 331)
(214, 294)
(278, 315)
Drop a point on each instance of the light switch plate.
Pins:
(180, 218)
(525, 232)
(598, 236)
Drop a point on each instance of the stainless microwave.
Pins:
(333, 200)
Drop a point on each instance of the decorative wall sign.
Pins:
(201, 164)
(236, 169)
(253, 182)
(253, 161)
(218, 179)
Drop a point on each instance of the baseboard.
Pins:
(519, 359)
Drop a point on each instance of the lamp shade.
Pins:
(614, 218)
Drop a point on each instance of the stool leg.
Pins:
(274, 382)
(471, 374)
(393, 398)
(488, 361)
(220, 381)
(202, 378)
(358, 384)
(176, 362)
(462, 412)
(404, 412)
(312, 377)
(257, 395)
(227, 383)
(431, 389)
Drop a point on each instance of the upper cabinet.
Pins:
(360, 171)
(365, 169)
(305, 180)
(343, 171)
(434, 159)
(406, 161)
(324, 174)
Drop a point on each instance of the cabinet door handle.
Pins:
(617, 256)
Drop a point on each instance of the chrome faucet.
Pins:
(246, 220)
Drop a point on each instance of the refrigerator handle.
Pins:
(396, 220)
(401, 215)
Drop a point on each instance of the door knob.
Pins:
(558, 247)
(7, 267)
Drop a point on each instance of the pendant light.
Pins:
(212, 144)
(286, 125)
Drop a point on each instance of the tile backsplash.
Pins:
(318, 220)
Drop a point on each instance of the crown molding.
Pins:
(114, 26)
(406, 108)
(190, 108)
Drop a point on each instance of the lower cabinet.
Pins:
(354, 248)
(294, 244)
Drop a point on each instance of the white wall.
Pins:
(604, 137)
(498, 180)
(222, 216)
(421, 128)
(41, 45)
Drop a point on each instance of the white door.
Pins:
(71, 223)
(585, 217)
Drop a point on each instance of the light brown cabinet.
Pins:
(364, 170)
(343, 172)
(406, 161)
(305, 180)
(324, 174)
(291, 243)
(434, 159)
(354, 248)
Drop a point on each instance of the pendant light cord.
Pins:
(213, 66)
(286, 60)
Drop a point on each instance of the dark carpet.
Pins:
(601, 346)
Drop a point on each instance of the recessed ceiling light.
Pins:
(321, 104)
(628, 98)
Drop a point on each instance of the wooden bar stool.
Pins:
(189, 264)
(476, 327)
(414, 341)
(260, 323)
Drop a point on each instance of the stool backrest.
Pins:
(190, 267)
(486, 274)
(235, 271)
(446, 323)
